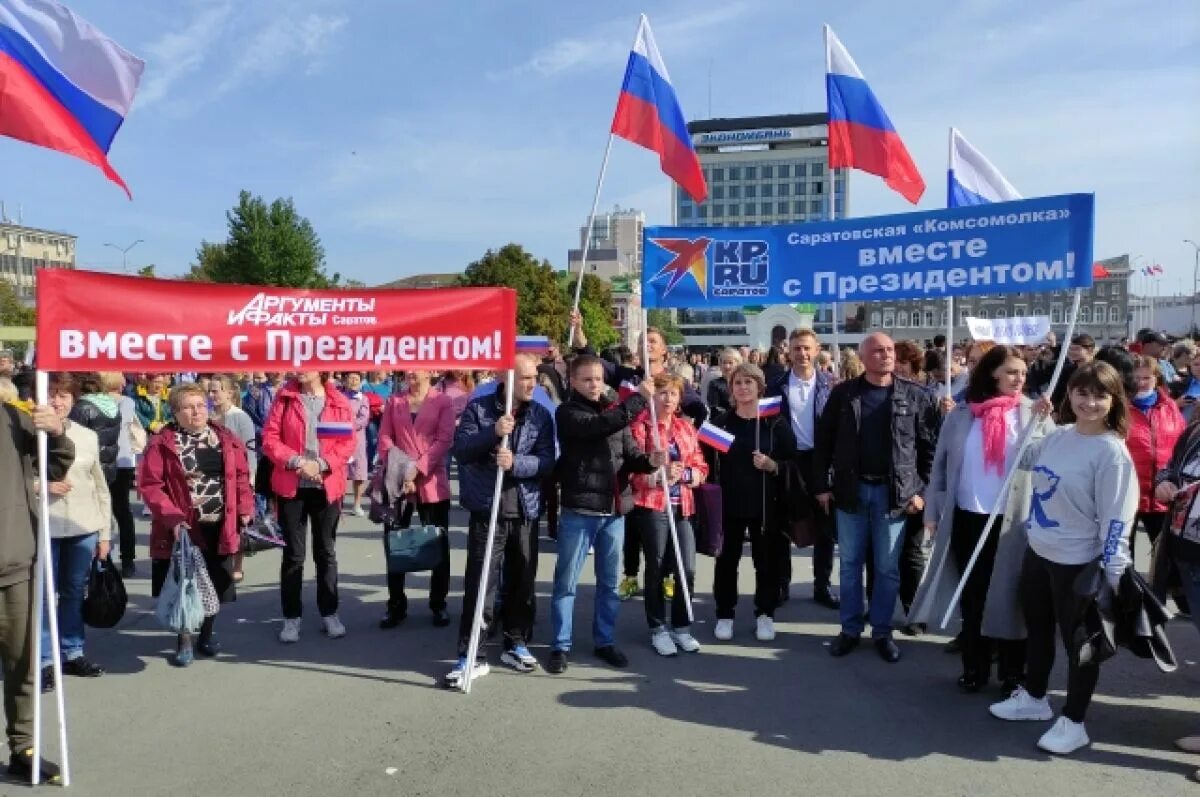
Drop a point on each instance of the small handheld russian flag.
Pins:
(532, 344)
(715, 436)
(335, 429)
(770, 406)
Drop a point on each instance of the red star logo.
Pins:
(689, 259)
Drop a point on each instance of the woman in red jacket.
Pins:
(421, 424)
(309, 436)
(196, 481)
(686, 469)
(1155, 423)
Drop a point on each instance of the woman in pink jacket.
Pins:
(309, 436)
(421, 424)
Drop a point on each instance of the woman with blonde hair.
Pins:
(851, 366)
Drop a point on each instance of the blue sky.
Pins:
(416, 135)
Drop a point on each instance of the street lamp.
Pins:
(1195, 279)
(125, 253)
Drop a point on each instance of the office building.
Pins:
(23, 250)
(615, 249)
(760, 170)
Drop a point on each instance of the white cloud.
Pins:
(611, 43)
(283, 41)
(178, 53)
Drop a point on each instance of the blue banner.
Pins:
(1032, 245)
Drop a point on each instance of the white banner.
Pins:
(1016, 331)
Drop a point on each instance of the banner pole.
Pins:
(44, 594)
(1026, 437)
(662, 473)
(837, 345)
(481, 592)
(949, 344)
(587, 236)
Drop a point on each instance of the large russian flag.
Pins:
(972, 179)
(648, 114)
(64, 85)
(861, 135)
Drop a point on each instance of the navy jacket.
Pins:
(475, 443)
(779, 387)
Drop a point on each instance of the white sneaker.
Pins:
(333, 627)
(663, 644)
(685, 641)
(765, 632)
(724, 630)
(358, 511)
(454, 678)
(1064, 737)
(1022, 706)
(291, 631)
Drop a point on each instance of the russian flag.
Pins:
(532, 344)
(648, 114)
(972, 179)
(714, 436)
(64, 85)
(770, 406)
(335, 429)
(861, 135)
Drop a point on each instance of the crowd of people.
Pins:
(889, 459)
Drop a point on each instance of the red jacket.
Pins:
(1151, 439)
(679, 429)
(426, 440)
(284, 436)
(164, 487)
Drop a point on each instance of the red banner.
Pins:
(100, 322)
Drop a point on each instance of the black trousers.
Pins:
(823, 545)
(632, 550)
(309, 507)
(655, 533)
(516, 545)
(764, 549)
(1049, 600)
(976, 648)
(433, 514)
(120, 487)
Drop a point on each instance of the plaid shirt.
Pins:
(679, 430)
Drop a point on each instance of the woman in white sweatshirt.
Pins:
(1084, 498)
(80, 531)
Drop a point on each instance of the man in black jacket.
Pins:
(597, 454)
(876, 439)
(18, 548)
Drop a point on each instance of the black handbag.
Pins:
(261, 535)
(106, 599)
(414, 549)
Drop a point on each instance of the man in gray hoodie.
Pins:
(18, 551)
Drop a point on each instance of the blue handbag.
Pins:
(179, 607)
(414, 549)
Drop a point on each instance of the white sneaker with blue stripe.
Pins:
(454, 678)
(519, 658)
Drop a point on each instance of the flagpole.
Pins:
(662, 474)
(44, 594)
(1026, 437)
(587, 236)
(836, 338)
(481, 592)
(949, 299)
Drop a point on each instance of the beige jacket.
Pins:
(87, 508)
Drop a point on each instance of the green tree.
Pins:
(595, 304)
(146, 271)
(664, 320)
(13, 313)
(541, 308)
(267, 245)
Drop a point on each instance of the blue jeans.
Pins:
(577, 533)
(1189, 575)
(72, 558)
(872, 525)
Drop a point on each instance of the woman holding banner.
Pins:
(196, 480)
(748, 473)
(974, 452)
(421, 423)
(686, 469)
(1082, 508)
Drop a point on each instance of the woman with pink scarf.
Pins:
(975, 450)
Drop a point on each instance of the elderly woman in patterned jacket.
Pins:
(196, 481)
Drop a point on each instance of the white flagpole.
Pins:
(949, 299)
(662, 474)
(836, 340)
(44, 591)
(481, 592)
(1026, 437)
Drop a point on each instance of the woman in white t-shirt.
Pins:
(1084, 499)
(975, 450)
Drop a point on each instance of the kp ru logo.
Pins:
(739, 268)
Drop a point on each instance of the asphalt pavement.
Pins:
(364, 715)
